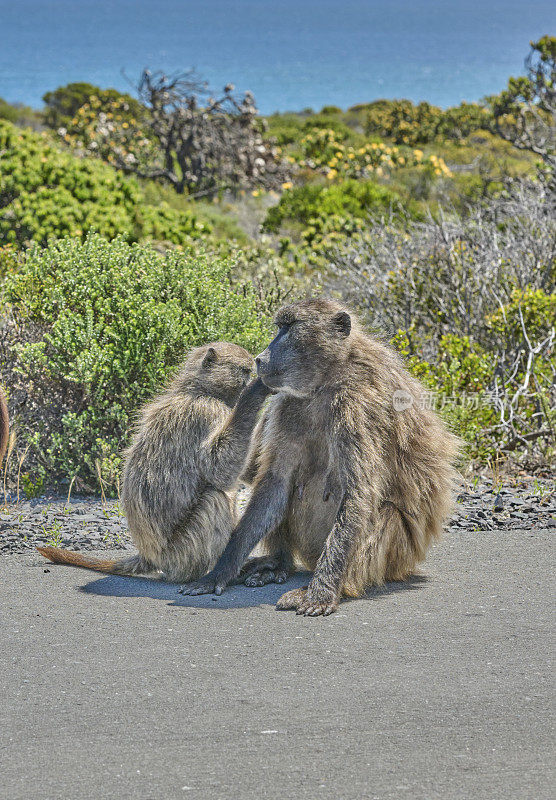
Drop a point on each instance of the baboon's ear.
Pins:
(342, 322)
(210, 357)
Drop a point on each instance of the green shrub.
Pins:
(410, 124)
(458, 380)
(98, 328)
(46, 192)
(329, 122)
(20, 114)
(315, 204)
(529, 308)
(284, 128)
(8, 111)
(63, 103)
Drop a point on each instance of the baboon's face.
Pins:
(308, 344)
(240, 374)
(227, 369)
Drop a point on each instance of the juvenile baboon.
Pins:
(345, 482)
(4, 425)
(181, 471)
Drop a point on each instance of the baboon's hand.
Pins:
(256, 388)
(210, 584)
(261, 387)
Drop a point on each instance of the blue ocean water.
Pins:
(291, 53)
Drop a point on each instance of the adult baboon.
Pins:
(182, 468)
(349, 480)
(4, 425)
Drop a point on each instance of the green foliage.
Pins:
(410, 124)
(98, 326)
(524, 112)
(9, 260)
(284, 128)
(328, 110)
(19, 114)
(313, 205)
(458, 381)
(330, 122)
(46, 192)
(63, 103)
(529, 308)
(32, 485)
(167, 224)
(461, 121)
(216, 216)
(102, 325)
(8, 111)
(541, 65)
(462, 373)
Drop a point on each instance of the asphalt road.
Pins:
(122, 688)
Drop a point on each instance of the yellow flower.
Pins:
(332, 174)
(351, 155)
(287, 185)
(255, 193)
(333, 162)
(125, 125)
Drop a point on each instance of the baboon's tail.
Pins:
(132, 565)
(4, 426)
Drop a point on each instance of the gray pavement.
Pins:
(440, 688)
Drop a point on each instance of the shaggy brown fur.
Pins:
(351, 487)
(182, 468)
(4, 426)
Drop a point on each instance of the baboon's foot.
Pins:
(262, 570)
(307, 602)
(264, 576)
(257, 564)
(210, 584)
(290, 601)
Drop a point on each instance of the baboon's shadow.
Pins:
(235, 596)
